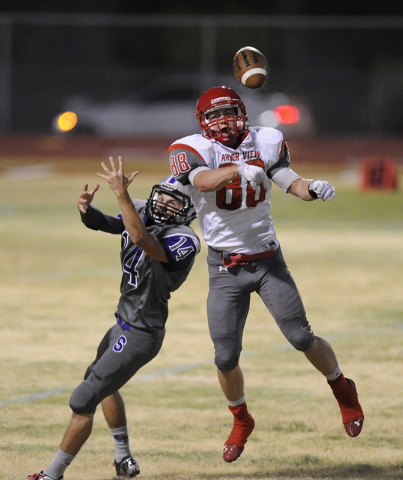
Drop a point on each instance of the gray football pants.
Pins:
(229, 300)
(120, 355)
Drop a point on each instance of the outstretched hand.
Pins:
(86, 197)
(116, 178)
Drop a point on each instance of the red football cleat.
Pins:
(354, 428)
(231, 453)
(243, 427)
(351, 412)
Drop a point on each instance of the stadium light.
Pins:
(287, 114)
(66, 121)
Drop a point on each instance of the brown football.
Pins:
(251, 67)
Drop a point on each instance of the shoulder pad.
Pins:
(267, 134)
(196, 142)
(189, 153)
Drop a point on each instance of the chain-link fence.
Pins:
(347, 72)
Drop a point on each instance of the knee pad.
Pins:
(301, 337)
(226, 358)
(227, 363)
(83, 399)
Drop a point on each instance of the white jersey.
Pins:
(236, 218)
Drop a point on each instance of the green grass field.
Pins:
(59, 289)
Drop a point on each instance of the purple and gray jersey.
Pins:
(146, 283)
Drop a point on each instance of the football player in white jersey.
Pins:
(230, 168)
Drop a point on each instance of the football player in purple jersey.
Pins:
(158, 249)
(229, 168)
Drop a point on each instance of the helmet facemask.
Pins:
(157, 209)
(225, 129)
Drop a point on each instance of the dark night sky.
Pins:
(264, 7)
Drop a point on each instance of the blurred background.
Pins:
(129, 73)
(132, 70)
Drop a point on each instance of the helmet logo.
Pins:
(220, 99)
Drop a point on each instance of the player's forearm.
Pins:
(96, 220)
(300, 189)
(213, 180)
(137, 230)
(132, 220)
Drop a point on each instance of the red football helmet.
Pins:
(222, 97)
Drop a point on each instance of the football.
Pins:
(251, 67)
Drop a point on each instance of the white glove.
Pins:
(254, 175)
(321, 189)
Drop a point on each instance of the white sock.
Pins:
(235, 403)
(335, 375)
(121, 439)
(59, 465)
